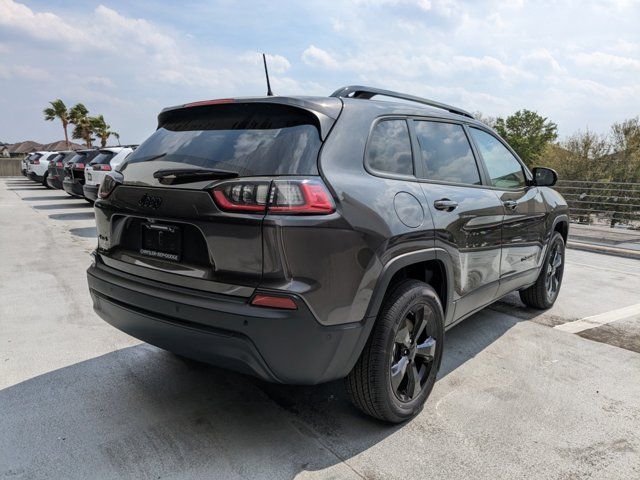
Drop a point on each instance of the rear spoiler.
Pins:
(325, 109)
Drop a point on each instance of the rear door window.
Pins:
(389, 148)
(504, 169)
(446, 153)
(249, 139)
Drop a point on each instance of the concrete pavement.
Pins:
(516, 398)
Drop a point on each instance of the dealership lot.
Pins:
(521, 393)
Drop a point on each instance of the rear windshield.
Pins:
(102, 158)
(249, 139)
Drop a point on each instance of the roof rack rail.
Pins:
(359, 91)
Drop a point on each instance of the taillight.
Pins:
(78, 166)
(291, 196)
(300, 197)
(109, 184)
(36, 162)
(104, 168)
(59, 165)
(242, 196)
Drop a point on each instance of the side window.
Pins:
(389, 148)
(446, 153)
(504, 169)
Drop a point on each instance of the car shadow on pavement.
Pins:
(143, 412)
(64, 206)
(72, 216)
(62, 196)
(84, 232)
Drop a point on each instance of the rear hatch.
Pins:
(193, 196)
(74, 168)
(96, 168)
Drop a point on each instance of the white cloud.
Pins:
(276, 63)
(317, 57)
(42, 26)
(602, 60)
(25, 72)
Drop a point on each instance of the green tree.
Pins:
(528, 133)
(82, 122)
(58, 110)
(624, 162)
(102, 130)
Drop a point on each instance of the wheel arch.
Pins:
(561, 225)
(427, 265)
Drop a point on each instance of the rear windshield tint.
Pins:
(250, 139)
(102, 158)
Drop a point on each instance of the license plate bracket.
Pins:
(161, 241)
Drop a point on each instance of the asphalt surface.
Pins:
(521, 394)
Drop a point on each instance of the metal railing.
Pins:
(602, 203)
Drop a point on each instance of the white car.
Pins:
(25, 163)
(38, 166)
(108, 159)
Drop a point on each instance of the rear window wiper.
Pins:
(174, 176)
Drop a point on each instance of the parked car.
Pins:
(24, 167)
(108, 159)
(304, 239)
(73, 180)
(56, 168)
(38, 166)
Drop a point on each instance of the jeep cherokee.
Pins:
(307, 239)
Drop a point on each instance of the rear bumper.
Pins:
(35, 178)
(91, 192)
(73, 187)
(54, 182)
(284, 346)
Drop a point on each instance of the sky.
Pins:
(576, 62)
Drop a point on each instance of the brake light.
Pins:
(36, 162)
(300, 196)
(59, 165)
(109, 184)
(209, 102)
(242, 196)
(104, 168)
(273, 301)
(78, 166)
(291, 196)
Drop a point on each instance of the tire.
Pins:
(381, 383)
(44, 180)
(539, 295)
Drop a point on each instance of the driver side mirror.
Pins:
(544, 177)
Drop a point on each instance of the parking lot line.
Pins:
(599, 267)
(600, 319)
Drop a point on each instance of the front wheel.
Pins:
(397, 368)
(544, 292)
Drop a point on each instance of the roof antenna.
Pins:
(266, 72)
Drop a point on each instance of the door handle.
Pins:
(510, 204)
(445, 204)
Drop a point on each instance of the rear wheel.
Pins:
(398, 366)
(544, 292)
(44, 180)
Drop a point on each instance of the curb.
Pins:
(590, 247)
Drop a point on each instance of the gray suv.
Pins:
(307, 239)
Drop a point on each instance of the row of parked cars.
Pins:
(77, 172)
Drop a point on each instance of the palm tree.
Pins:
(83, 127)
(102, 130)
(58, 110)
